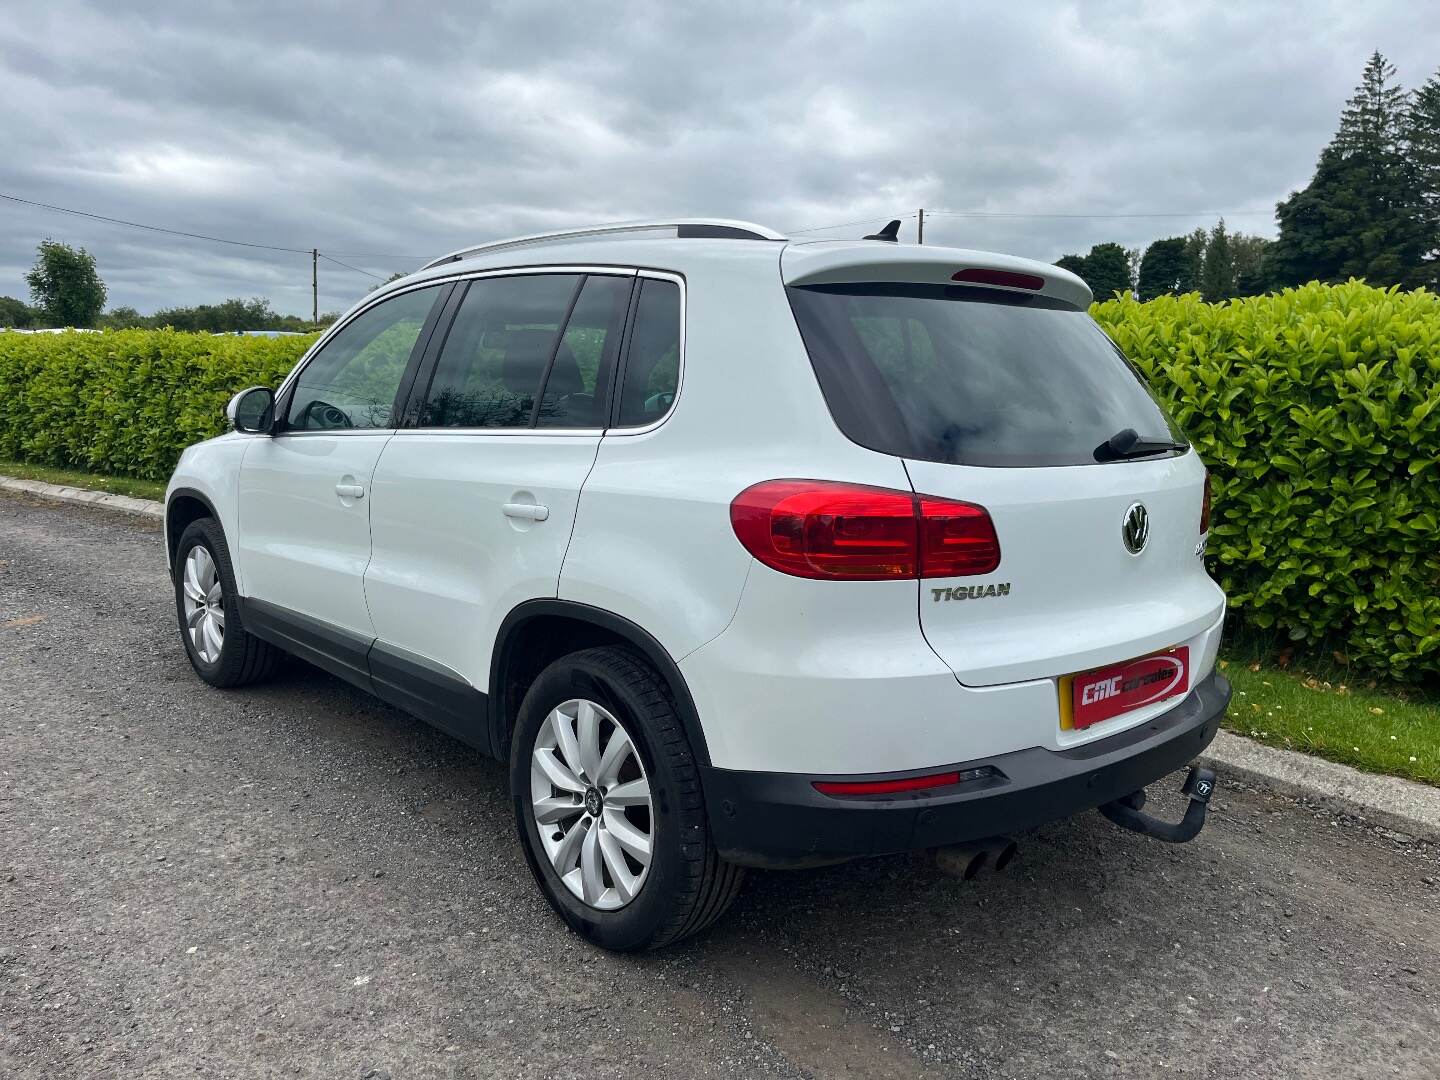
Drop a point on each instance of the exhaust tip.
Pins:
(1004, 854)
(963, 862)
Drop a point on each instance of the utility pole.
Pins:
(921, 240)
(314, 285)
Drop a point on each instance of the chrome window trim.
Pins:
(475, 275)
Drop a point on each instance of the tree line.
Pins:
(66, 290)
(1371, 211)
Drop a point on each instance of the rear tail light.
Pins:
(1205, 508)
(823, 529)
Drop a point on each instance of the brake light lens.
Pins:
(824, 529)
(1010, 279)
(1205, 508)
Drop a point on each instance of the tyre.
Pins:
(221, 651)
(609, 806)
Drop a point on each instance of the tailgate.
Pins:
(1068, 594)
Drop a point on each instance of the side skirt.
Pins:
(424, 689)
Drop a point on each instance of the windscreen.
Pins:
(971, 376)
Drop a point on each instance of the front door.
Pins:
(304, 497)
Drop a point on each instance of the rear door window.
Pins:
(497, 352)
(652, 363)
(579, 378)
(970, 376)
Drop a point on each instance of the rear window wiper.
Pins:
(1128, 443)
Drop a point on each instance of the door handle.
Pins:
(350, 491)
(526, 511)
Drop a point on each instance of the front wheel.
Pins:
(221, 650)
(609, 806)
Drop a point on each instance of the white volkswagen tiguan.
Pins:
(742, 551)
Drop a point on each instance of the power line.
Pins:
(151, 228)
(847, 224)
(347, 266)
(1147, 214)
(203, 236)
(382, 255)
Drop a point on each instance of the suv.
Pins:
(741, 551)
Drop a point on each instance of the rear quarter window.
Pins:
(970, 376)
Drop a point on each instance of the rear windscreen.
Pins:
(969, 376)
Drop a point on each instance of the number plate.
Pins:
(1092, 696)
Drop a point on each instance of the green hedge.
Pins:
(1318, 412)
(126, 402)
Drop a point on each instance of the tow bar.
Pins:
(1126, 811)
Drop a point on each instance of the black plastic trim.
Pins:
(172, 538)
(779, 819)
(555, 348)
(502, 657)
(404, 394)
(424, 689)
(431, 691)
(419, 388)
(717, 232)
(340, 652)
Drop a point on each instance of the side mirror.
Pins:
(252, 410)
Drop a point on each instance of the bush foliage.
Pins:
(1317, 410)
(126, 402)
(1318, 413)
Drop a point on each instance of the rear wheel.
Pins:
(609, 806)
(221, 650)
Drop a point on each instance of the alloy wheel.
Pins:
(591, 802)
(204, 604)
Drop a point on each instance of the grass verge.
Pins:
(1380, 729)
(115, 485)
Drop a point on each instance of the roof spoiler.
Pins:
(857, 261)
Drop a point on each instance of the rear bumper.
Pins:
(779, 819)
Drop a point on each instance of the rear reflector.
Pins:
(824, 529)
(1009, 279)
(886, 787)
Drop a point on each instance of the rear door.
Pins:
(473, 502)
(1007, 399)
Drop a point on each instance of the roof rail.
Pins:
(685, 228)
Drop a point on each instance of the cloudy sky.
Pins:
(386, 133)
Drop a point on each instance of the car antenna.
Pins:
(890, 232)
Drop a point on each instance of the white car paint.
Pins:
(303, 544)
(448, 562)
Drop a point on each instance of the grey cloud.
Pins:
(412, 129)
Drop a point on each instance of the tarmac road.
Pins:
(294, 880)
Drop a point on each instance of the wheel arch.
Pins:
(183, 506)
(538, 632)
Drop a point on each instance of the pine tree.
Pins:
(1217, 273)
(1360, 216)
(1252, 264)
(1194, 260)
(1422, 138)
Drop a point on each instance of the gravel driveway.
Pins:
(295, 880)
